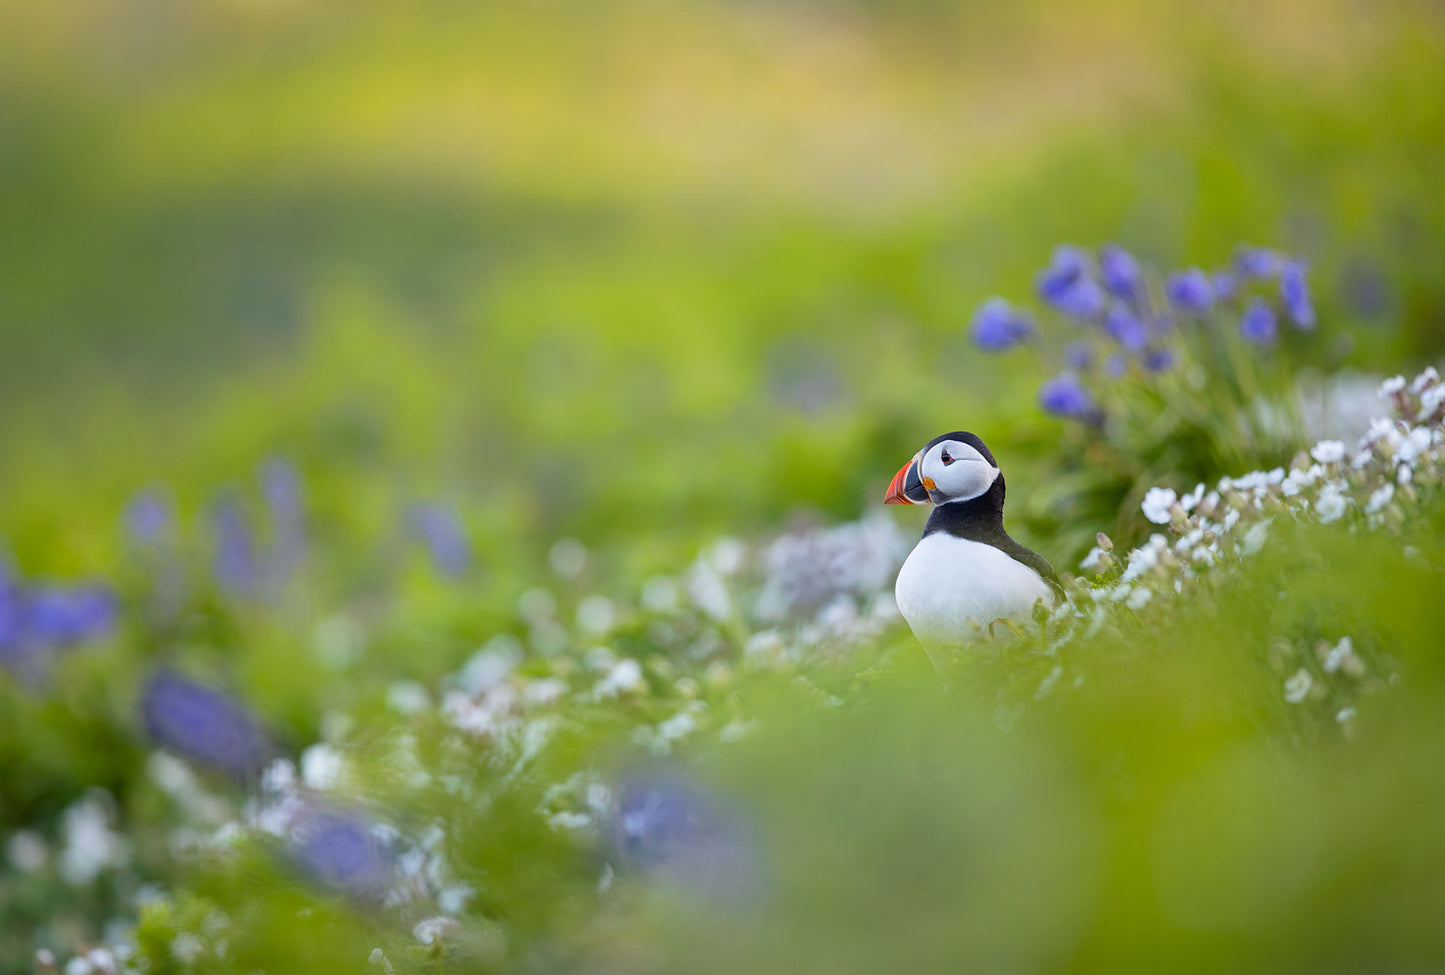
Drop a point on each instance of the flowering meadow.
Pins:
(442, 462)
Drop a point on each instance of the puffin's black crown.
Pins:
(963, 436)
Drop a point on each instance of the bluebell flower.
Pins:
(1065, 396)
(235, 565)
(341, 851)
(1120, 272)
(1226, 286)
(202, 723)
(1115, 366)
(148, 516)
(1158, 360)
(997, 325)
(55, 616)
(281, 486)
(1294, 292)
(670, 825)
(1067, 285)
(1253, 263)
(1124, 327)
(1190, 290)
(441, 531)
(1257, 324)
(1078, 355)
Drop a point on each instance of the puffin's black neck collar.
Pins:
(978, 519)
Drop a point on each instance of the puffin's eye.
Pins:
(947, 459)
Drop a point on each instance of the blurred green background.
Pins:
(641, 271)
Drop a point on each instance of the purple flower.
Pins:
(1190, 290)
(669, 825)
(202, 723)
(1115, 366)
(148, 516)
(1126, 329)
(998, 326)
(1078, 355)
(441, 531)
(1257, 324)
(282, 488)
(1294, 292)
(341, 851)
(1158, 360)
(1065, 396)
(1120, 272)
(1066, 285)
(235, 565)
(1253, 263)
(1226, 286)
(60, 617)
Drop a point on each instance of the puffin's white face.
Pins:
(954, 471)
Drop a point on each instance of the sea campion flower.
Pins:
(1121, 273)
(202, 723)
(1190, 291)
(1065, 396)
(998, 325)
(1294, 293)
(1257, 324)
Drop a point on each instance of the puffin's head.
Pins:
(954, 467)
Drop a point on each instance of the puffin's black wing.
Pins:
(1031, 559)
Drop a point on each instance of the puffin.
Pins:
(965, 572)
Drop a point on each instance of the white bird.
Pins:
(966, 571)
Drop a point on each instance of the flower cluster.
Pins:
(1126, 321)
(39, 620)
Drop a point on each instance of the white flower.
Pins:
(1431, 401)
(429, 929)
(544, 692)
(1330, 505)
(378, 957)
(1345, 715)
(625, 675)
(659, 595)
(1328, 452)
(321, 767)
(708, 590)
(727, 555)
(27, 850)
(1391, 386)
(680, 725)
(1380, 497)
(1414, 444)
(1298, 686)
(1191, 500)
(1156, 505)
(1254, 539)
(1091, 560)
(1340, 654)
(407, 697)
(90, 845)
(596, 615)
(453, 899)
(564, 820)
(1139, 597)
(1426, 378)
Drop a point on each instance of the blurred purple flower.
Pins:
(1253, 263)
(1294, 292)
(1120, 272)
(341, 851)
(1257, 324)
(148, 516)
(668, 824)
(59, 617)
(1125, 328)
(1190, 290)
(202, 723)
(1065, 396)
(1115, 366)
(1226, 286)
(282, 488)
(441, 531)
(1066, 285)
(235, 565)
(998, 325)
(1158, 360)
(1078, 355)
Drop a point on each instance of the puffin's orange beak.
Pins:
(906, 488)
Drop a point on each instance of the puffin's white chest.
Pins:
(949, 582)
